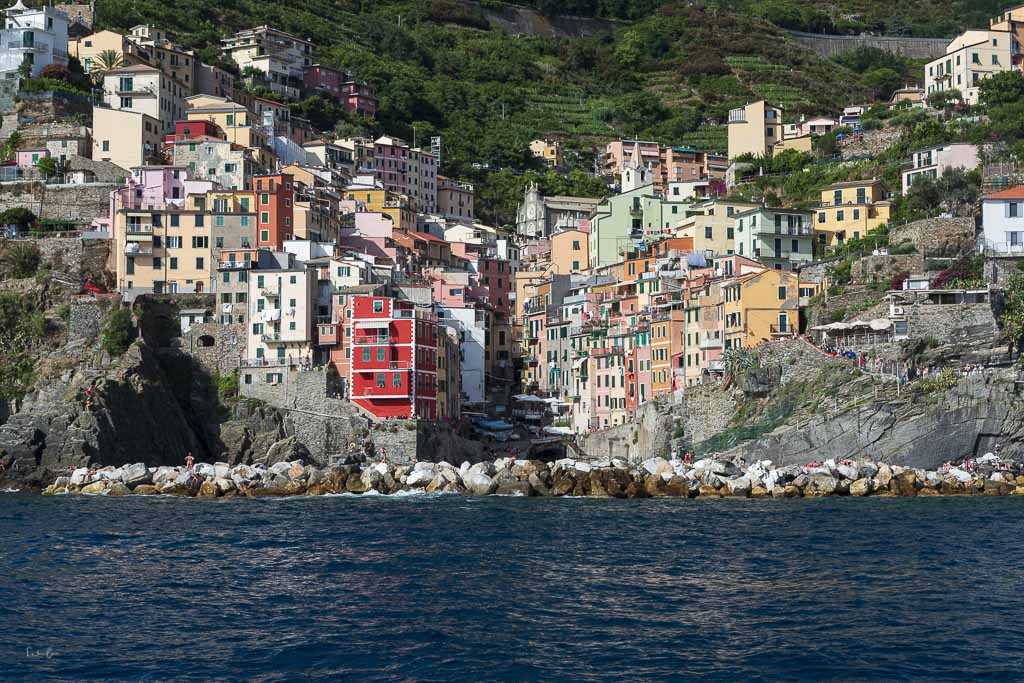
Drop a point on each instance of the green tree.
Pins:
(945, 98)
(117, 333)
(1005, 87)
(882, 82)
(47, 167)
(19, 216)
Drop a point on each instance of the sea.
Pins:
(454, 588)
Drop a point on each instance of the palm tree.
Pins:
(738, 360)
(107, 60)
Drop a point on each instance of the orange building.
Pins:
(275, 208)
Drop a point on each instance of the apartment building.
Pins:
(970, 58)
(279, 58)
(1002, 219)
(931, 162)
(712, 225)
(165, 54)
(145, 89)
(36, 35)
(754, 129)
(209, 158)
(455, 199)
(407, 170)
(125, 138)
(281, 305)
(759, 307)
(779, 238)
(275, 194)
(850, 210)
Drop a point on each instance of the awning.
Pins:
(528, 398)
(578, 363)
(373, 324)
(880, 324)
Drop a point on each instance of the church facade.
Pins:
(540, 217)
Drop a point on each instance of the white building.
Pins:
(146, 90)
(281, 305)
(471, 326)
(280, 56)
(970, 58)
(1002, 216)
(931, 162)
(38, 35)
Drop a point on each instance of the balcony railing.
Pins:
(371, 341)
(138, 229)
(232, 265)
(786, 331)
(136, 249)
(270, 293)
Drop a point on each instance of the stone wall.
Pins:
(816, 271)
(53, 106)
(707, 410)
(869, 143)
(218, 349)
(870, 269)
(649, 435)
(71, 203)
(938, 237)
(831, 46)
(999, 269)
(85, 319)
(964, 324)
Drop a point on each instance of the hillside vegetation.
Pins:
(670, 72)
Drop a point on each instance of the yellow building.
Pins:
(712, 226)
(89, 48)
(849, 210)
(125, 138)
(449, 374)
(237, 122)
(168, 249)
(570, 252)
(754, 129)
(759, 307)
(374, 199)
(550, 152)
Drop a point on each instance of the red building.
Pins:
(190, 130)
(387, 355)
(355, 96)
(275, 199)
(495, 275)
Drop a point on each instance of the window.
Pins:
(175, 221)
(264, 235)
(378, 306)
(200, 241)
(821, 217)
(380, 380)
(856, 214)
(126, 103)
(199, 220)
(396, 380)
(200, 263)
(173, 262)
(264, 198)
(840, 216)
(264, 217)
(106, 145)
(782, 293)
(708, 232)
(575, 245)
(1013, 209)
(366, 354)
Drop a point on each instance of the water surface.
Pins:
(444, 588)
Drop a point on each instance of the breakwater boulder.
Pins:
(653, 478)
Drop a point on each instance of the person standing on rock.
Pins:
(189, 461)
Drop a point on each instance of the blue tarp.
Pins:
(695, 259)
(495, 425)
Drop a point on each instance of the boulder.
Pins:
(118, 488)
(437, 483)
(993, 488)
(597, 484)
(618, 482)
(208, 489)
(205, 470)
(708, 491)
(779, 492)
(677, 487)
(539, 485)
(145, 490)
(286, 451)
(265, 491)
(849, 472)
(860, 487)
(904, 484)
(80, 477)
(479, 468)
(135, 474)
(296, 471)
(759, 492)
(562, 483)
(739, 487)
(224, 485)
(479, 484)
(792, 491)
(650, 466)
(884, 476)
(356, 484)
(95, 488)
(655, 486)
(820, 485)
(420, 478)
(582, 466)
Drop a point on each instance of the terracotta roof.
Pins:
(1012, 193)
(424, 236)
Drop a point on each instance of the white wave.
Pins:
(10, 490)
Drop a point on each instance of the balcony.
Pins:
(371, 341)
(232, 265)
(777, 331)
(278, 338)
(35, 47)
(144, 230)
(709, 342)
(738, 116)
(136, 249)
(270, 294)
(328, 335)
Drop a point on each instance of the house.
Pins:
(1002, 221)
(819, 125)
(970, 58)
(407, 170)
(275, 194)
(270, 57)
(850, 210)
(754, 129)
(931, 162)
(38, 35)
(907, 96)
(125, 138)
(548, 151)
(759, 307)
(455, 199)
(213, 80)
(667, 164)
(174, 60)
(570, 252)
(145, 90)
(89, 48)
(281, 305)
(711, 225)
(210, 158)
(779, 238)
(449, 374)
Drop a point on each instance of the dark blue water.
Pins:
(454, 588)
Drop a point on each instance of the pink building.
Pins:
(408, 171)
(372, 234)
(324, 79)
(28, 158)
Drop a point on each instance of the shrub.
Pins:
(118, 332)
(227, 385)
(20, 260)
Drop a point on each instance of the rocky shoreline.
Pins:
(656, 477)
